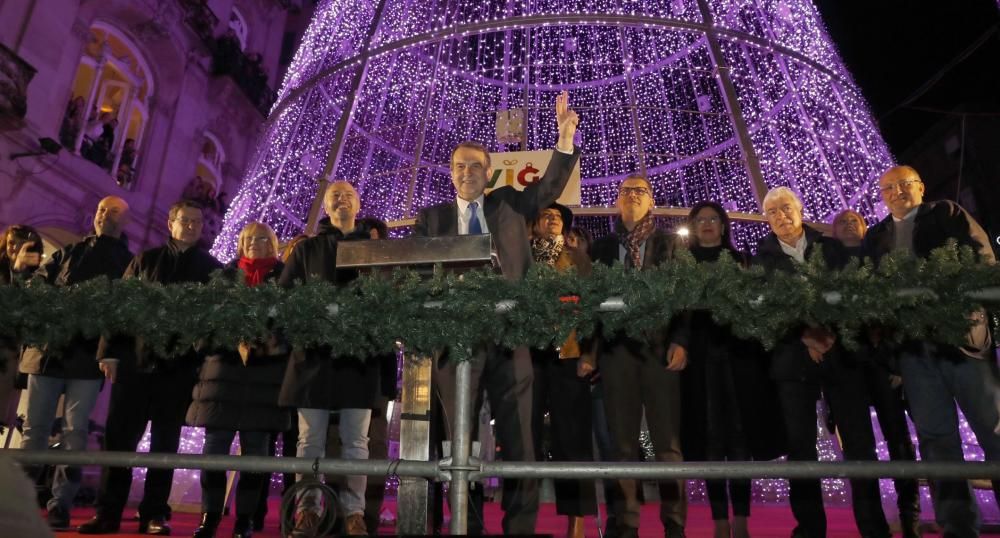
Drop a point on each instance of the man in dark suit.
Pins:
(148, 387)
(937, 376)
(633, 370)
(507, 379)
(808, 362)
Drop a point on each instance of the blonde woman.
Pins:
(237, 391)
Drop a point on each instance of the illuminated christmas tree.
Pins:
(713, 99)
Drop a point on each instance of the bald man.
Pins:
(937, 376)
(73, 371)
(319, 380)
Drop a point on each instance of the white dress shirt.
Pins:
(465, 215)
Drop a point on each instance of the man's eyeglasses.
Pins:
(902, 185)
(638, 191)
(185, 222)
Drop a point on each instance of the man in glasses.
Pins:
(147, 387)
(633, 370)
(936, 376)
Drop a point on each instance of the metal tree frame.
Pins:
(713, 99)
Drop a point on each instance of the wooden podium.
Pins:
(423, 254)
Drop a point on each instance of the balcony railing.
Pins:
(227, 58)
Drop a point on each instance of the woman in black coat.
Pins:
(237, 391)
(727, 398)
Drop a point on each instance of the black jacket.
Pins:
(660, 248)
(169, 265)
(318, 378)
(790, 359)
(727, 372)
(506, 211)
(935, 223)
(165, 265)
(315, 258)
(233, 396)
(93, 257)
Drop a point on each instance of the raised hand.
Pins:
(567, 119)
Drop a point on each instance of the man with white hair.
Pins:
(808, 362)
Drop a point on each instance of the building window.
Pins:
(108, 111)
(206, 186)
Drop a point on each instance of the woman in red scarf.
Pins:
(237, 391)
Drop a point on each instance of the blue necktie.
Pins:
(474, 226)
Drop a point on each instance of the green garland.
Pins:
(377, 310)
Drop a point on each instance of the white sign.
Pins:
(519, 169)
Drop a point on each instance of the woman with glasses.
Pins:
(237, 392)
(727, 400)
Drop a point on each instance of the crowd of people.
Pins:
(704, 393)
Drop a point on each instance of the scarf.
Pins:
(256, 270)
(547, 249)
(633, 241)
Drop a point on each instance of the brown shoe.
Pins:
(355, 525)
(574, 527)
(306, 523)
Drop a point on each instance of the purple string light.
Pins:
(642, 77)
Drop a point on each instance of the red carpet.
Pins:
(767, 522)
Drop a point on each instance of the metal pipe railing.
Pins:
(460, 449)
(252, 464)
(737, 470)
(511, 469)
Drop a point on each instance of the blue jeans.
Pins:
(933, 385)
(43, 398)
(213, 483)
(354, 423)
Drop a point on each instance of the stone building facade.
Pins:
(150, 100)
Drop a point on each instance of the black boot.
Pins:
(243, 527)
(209, 524)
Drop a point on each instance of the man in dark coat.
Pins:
(633, 371)
(937, 376)
(317, 380)
(808, 361)
(507, 380)
(72, 370)
(148, 387)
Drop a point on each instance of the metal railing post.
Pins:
(460, 446)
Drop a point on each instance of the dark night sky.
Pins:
(893, 47)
